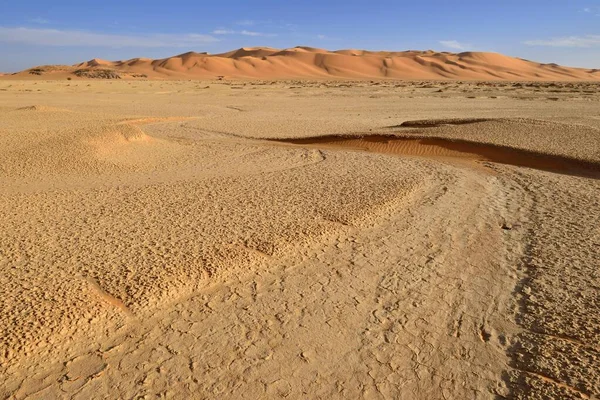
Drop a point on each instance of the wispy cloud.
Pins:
(242, 32)
(246, 22)
(251, 33)
(455, 45)
(290, 27)
(223, 32)
(55, 37)
(323, 37)
(38, 20)
(569, 41)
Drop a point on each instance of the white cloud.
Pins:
(250, 33)
(569, 41)
(244, 32)
(290, 27)
(55, 37)
(592, 10)
(223, 32)
(38, 20)
(453, 44)
(323, 37)
(246, 22)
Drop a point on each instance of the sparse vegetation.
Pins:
(36, 71)
(97, 74)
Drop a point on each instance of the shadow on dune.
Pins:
(445, 148)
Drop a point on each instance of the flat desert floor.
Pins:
(299, 239)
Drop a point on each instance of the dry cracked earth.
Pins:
(299, 239)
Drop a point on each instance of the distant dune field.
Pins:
(308, 62)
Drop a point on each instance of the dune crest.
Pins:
(309, 62)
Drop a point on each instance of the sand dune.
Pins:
(309, 62)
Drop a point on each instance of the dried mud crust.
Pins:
(558, 353)
(407, 307)
(154, 249)
(138, 246)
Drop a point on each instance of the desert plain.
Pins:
(322, 237)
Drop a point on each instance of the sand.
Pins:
(308, 62)
(299, 239)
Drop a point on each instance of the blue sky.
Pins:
(35, 32)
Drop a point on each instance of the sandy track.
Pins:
(172, 253)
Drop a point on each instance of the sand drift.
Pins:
(452, 149)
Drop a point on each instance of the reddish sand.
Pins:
(308, 62)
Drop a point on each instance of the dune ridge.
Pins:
(309, 62)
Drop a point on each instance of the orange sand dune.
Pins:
(308, 62)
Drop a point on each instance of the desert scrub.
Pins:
(97, 74)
